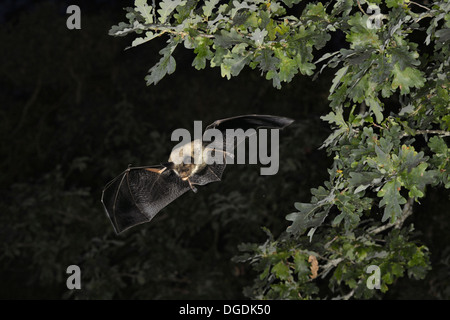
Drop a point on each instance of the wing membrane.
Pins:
(138, 194)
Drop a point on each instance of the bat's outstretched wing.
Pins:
(227, 145)
(139, 193)
(250, 121)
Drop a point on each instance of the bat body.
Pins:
(139, 193)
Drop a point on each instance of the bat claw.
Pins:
(193, 188)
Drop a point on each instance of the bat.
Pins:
(139, 193)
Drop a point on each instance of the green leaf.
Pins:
(184, 14)
(403, 57)
(362, 180)
(360, 36)
(375, 106)
(258, 36)
(308, 217)
(438, 145)
(303, 59)
(289, 3)
(394, 3)
(213, 25)
(209, 7)
(410, 158)
(242, 5)
(383, 158)
(443, 35)
(406, 79)
(167, 7)
(122, 29)
(266, 60)
(281, 271)
(316, 10)
(148, 36)
(265, 273)
(336, 117)
(337, 220)
(416, 179)
(203, 53)
(236, 60)
(288, 67)
(338, 76)
(227, 39)
(145, 10)
(333, 137)
(391, 200)
(166, 64)
(273, 75)
(301, 264)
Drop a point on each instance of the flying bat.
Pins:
(139, 193)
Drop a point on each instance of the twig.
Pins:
(360, 8)
(349, 295)
(419, 5)
(154, 10)
(331, 264)
(441, 133)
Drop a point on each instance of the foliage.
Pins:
(390, 116)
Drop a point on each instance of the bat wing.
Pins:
(213, 172)
(210, 173)
(139, 193)
(252, 121)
